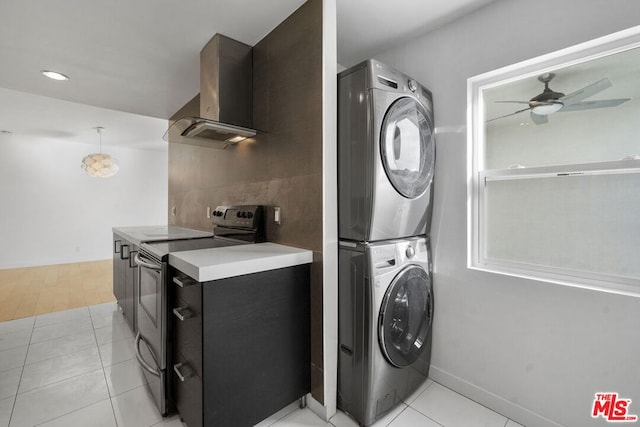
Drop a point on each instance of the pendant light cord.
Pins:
(99, 129)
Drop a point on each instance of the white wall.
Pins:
(534, 351)
(330, 210)
(51, 212)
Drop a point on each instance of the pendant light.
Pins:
(99, 165)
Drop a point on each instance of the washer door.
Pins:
(407, 147)
(405, 316)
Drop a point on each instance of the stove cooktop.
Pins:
(163, 249)
(233, 225)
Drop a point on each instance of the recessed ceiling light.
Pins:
(54, 75)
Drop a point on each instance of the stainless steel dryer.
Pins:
(386, 311)
(386, 154)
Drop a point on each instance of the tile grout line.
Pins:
(66, 379)
(104, 373)
(484, 406)
(424, 391)
(286, 415)
(468, 398)
(399, 413)
(24, 362)
(420, 394)
(416, 409)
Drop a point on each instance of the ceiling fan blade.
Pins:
(508, 115)
(538, 118)
(590, 105)
(587, 91)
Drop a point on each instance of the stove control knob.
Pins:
(410, 252)
(238, 214)
(249, 215)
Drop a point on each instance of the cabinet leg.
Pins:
(303, 402)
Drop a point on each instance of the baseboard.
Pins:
(318, 408)
(491, 400)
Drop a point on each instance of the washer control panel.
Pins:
(399, 252)
(410, 252)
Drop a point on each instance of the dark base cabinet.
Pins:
(240, 346)
(125, 277)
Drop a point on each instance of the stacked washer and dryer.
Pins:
(386, 158)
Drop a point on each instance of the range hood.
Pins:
(226, 97)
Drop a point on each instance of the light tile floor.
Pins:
(77, 368)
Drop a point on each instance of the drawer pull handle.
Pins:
(183, 284)
(177, 369)
(182, 313)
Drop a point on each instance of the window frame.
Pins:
(476, 172)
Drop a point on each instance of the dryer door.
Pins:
(407, 147)
(405, 316)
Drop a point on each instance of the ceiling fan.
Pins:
(550, 101)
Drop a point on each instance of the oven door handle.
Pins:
(147, 367)
(142, 262)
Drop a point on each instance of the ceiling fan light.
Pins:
(547, 108)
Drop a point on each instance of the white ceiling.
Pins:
(368, 27)
(142, 57)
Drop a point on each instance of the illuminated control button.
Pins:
(410, 252)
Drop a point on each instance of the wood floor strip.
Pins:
(30, 291)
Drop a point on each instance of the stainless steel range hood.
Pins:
(207, 133)
(226, 97)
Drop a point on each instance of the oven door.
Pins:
(150, 344)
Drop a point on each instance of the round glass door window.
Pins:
(407, 147)
(405, 316)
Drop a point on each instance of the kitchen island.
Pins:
(221, 263)
(239, 332)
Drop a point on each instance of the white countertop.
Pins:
(153, 233)
(220, 263)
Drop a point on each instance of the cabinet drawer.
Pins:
(187, 289)
(187, 391)
(188, 333)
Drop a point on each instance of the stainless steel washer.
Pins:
(386, 154)
(386, 313)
